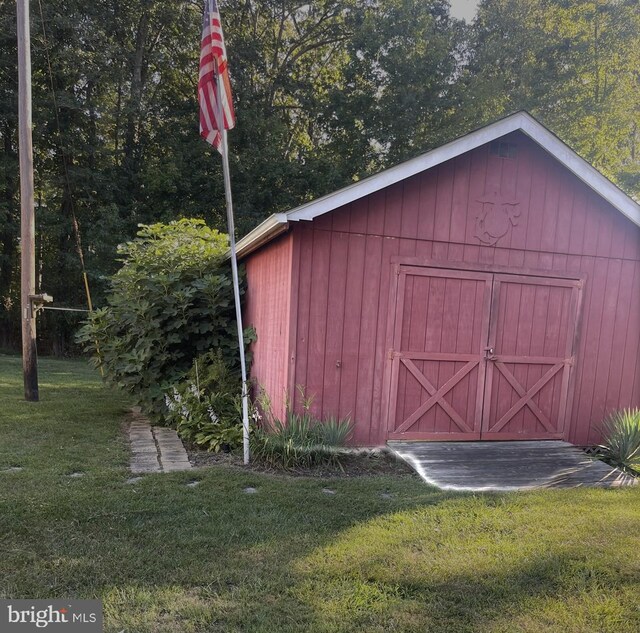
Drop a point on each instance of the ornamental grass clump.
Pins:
(302, 441)
(621, 446)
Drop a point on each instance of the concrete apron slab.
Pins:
(505, 466)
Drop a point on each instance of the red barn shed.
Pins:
(488, 289)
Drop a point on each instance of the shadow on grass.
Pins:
(167, 558)
(532, 595)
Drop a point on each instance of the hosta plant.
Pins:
(206, 407)
(621, 445)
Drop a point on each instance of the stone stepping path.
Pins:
(155, 449)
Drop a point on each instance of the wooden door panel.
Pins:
(445, 385)
(437, 377)
(531, 337)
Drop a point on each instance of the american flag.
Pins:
(213, 62)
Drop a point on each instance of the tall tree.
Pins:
(575, 65)
(326, 92)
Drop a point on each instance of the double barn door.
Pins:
(481, 355)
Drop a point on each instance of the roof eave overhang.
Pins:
(273, 226)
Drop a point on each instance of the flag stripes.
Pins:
(213, 64)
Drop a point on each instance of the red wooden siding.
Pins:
(267, 309)
(342, 312)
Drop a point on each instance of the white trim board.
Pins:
(520, 121)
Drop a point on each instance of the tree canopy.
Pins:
(325, 93)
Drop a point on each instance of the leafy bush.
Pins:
(171, 301)
(302, 441)
(206, 408)
(621, 447)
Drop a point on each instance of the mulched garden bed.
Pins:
(359, 464)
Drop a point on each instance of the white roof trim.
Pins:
(263, 233)
(520, 121)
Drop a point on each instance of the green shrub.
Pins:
(206, 407)
(302, 441)
(621, 447)
(171, 301)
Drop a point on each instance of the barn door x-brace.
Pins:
(481, 355)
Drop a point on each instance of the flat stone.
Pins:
(170, 452)
(142, 441)
(145, 468)
(144, 450)
(193, 484)
(76, 475)
(170, 446)
(174, 456)
(144, 459)
(170, 467)
(386, 495)
(140, 446)
(328, 491)
(12, 469)
(133, 480)
(174, 460)
(141, 435)
(250, 490)
(163, 439)
(167, 439)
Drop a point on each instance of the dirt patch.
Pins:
(360, 463)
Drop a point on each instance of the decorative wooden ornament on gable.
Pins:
(497, 216)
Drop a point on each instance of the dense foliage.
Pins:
(325, 93)
(170, 302)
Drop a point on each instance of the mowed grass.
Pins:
(165, 557)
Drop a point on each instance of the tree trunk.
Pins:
(137, 87)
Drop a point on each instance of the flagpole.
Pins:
(234, 266)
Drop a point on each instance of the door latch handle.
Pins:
(488, 353)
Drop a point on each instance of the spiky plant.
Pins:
(621, 446)
(302, 442)
(333, 431)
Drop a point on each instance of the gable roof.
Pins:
(520, 121)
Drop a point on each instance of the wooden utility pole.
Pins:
(27, 217)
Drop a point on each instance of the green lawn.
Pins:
(167, 558)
